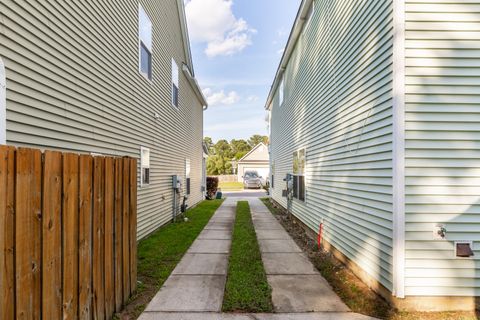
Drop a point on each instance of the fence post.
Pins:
(7, 226)
(28, 228)
(52, 236)
(3, 104)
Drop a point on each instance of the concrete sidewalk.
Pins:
(296, 284)
(194, 290)
(198, 282)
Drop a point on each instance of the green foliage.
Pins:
(222, 153)
(256, 139)
(247, 288)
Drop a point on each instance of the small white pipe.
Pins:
(3, 104)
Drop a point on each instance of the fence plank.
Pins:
(28, 228)
(109, 231)
(118, 234)
(126, 231)
(70, 236)
(52, 236)
(85, 237)
(98, 239)
(7, 226)
(133, 225)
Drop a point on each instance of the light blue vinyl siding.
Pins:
(338, 105)
(443, 145)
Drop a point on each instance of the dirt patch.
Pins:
(356, 294)
(147, 288)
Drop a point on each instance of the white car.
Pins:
(251, 180)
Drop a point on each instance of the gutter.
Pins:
(292, 41)
(196, 87)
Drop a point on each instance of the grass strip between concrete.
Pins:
(160, 253)
(247, 288)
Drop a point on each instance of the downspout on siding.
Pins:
(399, 148)
(3, 104)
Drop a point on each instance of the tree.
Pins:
(239, 148)
(209, 143)
(256, 139)
(224, 154)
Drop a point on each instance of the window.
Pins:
(309, 16)
(281, 91)
(3, 104)
(187, 175)
(145, 43)
(144, 167)
(272, 173)
(175, 87)
(299, 159)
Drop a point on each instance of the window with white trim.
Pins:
(309, 16)
(299, 159)
(187, 176)
(145, 43)
(272, 175)
(281, 90)
(144, 167)
(175, 83)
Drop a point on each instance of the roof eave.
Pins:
(196, 87)
(292, 40)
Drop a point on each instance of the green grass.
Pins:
(159, 254)
(247, 289)
(230, 186)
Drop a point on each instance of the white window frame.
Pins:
(187, 176)
(144, 164)
(176, 83)
(308, 18)
(281, 91)
(147, 42)
(3, 104)
(301, 174)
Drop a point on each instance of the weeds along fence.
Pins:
(67, 234)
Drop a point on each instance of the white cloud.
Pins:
(220, 98)
(213, 22)
(281, 51)
(253, 99)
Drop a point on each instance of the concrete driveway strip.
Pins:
(198, 282)
(258, 316)
(296, 285)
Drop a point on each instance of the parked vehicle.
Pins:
(251, 179)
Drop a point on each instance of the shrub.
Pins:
(212, 187)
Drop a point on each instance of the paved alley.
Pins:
(195, 288)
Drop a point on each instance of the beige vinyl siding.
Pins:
(338, 105)
(73, 83)
(443, 145)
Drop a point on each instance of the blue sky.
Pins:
(236, 48)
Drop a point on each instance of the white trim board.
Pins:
(399, 148)
(3, 104)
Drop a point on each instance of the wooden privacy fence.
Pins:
(67, 234)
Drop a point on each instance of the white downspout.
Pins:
(399, 148)
(3, 104)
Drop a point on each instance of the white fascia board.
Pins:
(297, 28)
(3, 104)
(195, 86)
(399, 148)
